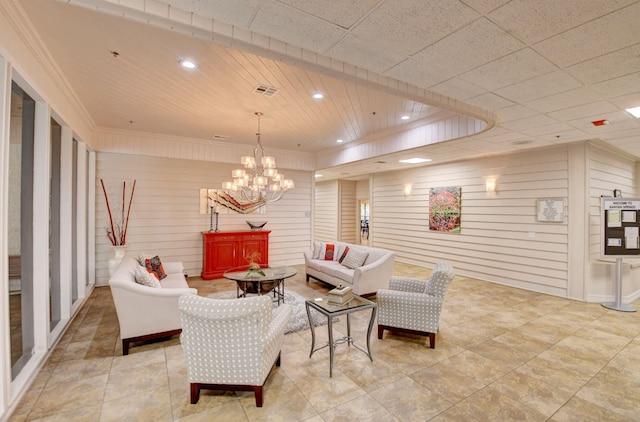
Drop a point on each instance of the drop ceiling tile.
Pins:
(608, 66)
(539, 86)
(361, 52)
(410, 70)
(591, 111)
(237, 12)
(516, 67)
(533, 21)
(408, 26)
(490, 101)
(564, 100)
(564, 136)
(529, 122)
(608, 33)
(514, 112)
(457, 88)
(469, 47)
(485, 6)
(339, 12)
(627, 101)
(285, 23)
(547, 129)
(629, 84)
(507, 137)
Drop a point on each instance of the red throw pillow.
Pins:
(154, 266)
(343, 254)
(329, 251)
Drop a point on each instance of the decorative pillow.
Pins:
(145, 278)
(344, 254)
(329, 252)
(317, 249)
(355, 258)
(154, 266)
(142, 258)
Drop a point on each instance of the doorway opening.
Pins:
(364, 221)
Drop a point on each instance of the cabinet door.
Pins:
(259, 245)
(224, 255)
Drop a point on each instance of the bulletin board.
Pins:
(620, 227)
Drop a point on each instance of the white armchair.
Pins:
(414, 305)
(231, 344)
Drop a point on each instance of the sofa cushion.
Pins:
(154, 266)
(317, 250)
(355, 258)
(145, 278)
(329, 252)
(344, 254)
(174, 281)
(344, 274)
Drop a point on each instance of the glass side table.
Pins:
(331, 310)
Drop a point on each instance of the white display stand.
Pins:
(619, 238)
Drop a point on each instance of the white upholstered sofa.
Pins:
(374, 273)
(144, 312)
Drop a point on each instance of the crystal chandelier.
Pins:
(258, 182)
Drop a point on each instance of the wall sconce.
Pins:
(490, 185)
(407, 190)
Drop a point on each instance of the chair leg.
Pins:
(195, 392)
(380, 331)
(278, 360)
(432, 340)
(258, 393)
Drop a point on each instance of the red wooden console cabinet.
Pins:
(222, 251)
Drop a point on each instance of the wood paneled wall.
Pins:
(501, 239)
(326, 211)
(609, 170)
(165, 217)
(348, 212)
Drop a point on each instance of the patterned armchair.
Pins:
(231, 344)
(414, 305)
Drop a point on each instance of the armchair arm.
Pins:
(275, 336)
(146, 310)
(405, 284)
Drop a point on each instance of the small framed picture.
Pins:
(551, 210)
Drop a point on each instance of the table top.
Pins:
(270, 274)
(323, 305)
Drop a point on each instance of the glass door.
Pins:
(20, 228)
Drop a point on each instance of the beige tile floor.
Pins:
(501, 354)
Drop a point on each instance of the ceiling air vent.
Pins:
(266, 90)
(220, 137)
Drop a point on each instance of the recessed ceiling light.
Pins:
(522, 142)
(339, 141)
(415, 160)
(635, 112)
(318, 95)
(405, 117)
(187, 64)
(318, 175)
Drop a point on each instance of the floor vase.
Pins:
(119, 252)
